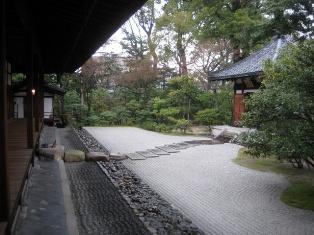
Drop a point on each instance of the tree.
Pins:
(239, 21)
(178, 20)
(183, 91)
(183, 125)
(133, 42)
(208, 56)
(146, 18)
(283, 111)
(209, 116)
(290, 17)
(140, 79)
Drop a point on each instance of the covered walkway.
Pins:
(38, 38)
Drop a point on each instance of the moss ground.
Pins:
(301, 191)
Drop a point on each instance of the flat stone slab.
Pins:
(97, 156)
(168, 149)
(158, 151)
(177, 146)
(135, 156)
(147, 154)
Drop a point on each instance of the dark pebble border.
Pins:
(159, 216)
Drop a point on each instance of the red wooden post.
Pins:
(29, 87)
(238, 108)
(4, 185)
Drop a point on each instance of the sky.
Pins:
(113, 46)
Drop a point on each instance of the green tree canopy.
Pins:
(283, 110)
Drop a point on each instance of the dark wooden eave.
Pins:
(65, 33)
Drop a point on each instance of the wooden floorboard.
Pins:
(2, 227)
(18, 156)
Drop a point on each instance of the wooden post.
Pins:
(29, 86)
(37, 93)
(4, 184)
(41, 96)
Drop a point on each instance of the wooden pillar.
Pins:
(4, 184)
(29, 86)
(41, 96)
(37, 94)
(238, 108)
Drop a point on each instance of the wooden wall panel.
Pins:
(238, 108)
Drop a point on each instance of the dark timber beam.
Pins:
(29, 87)
(4, 185)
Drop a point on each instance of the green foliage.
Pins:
(17, 77)
(183, 124)
(207, 116)
(98, 100)
(241, 22)
(283, 111)
(221, 101)
(183, 91)
(108, 118)
(123, 115)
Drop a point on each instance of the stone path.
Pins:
(219, 196)
(99, 207)
(43, 211)
(136, 149)
(67, 138)
(132, 139)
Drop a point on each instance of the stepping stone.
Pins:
(158, 151)
(135, 156)
(147, 154)
(175, 146)
(192, 143)
(168, 149)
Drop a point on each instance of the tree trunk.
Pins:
(236, 55)
(82, 92)
(189, 108)
(152, 52)
(183, 69)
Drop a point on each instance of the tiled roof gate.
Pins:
(245, 74)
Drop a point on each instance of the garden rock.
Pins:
(117, 156)
(97, 156)
(73, 155)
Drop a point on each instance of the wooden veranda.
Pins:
(37, 38)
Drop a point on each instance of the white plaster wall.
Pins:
(19, 107)
(48, 110)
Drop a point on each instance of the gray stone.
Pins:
(117, 156)
(73, 155)
(167, 149)
(158, 151)
(135, 156)
(56, 152)
(97, 156)
(147, 154)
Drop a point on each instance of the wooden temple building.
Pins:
(247, 74)
(37, 38)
